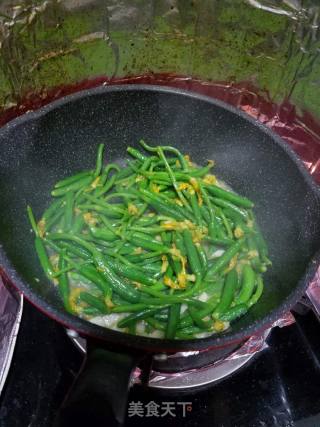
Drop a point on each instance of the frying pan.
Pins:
(41, 147)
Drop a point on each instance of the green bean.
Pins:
(200, 172)
(51, 222)
(172, 178)
(153, 268)
(195, 208)
(148, 243)
(105, 173)
(69, 267)
(125, 172)
(175, 264)
(133, 273)
(95, 302)
(205, 214)
(192, 253)
(258, 292)
(172, 162)
(123, 323)
(103, 204)
(53, 209)
(99, 160)
(90, 312)
(167, 148)
(190, 331)
(150, 256)
(77, 185)
(180, 244)
(231, 207)
(233, 215)
(63, 282)
(68, 212)
(202, 256)
(109, 211)
(203, 312)
(212, 222)
(119, 195)
(103, 234)
(78, 224)
(126, 249)
(129, 308)
(226, 224)
(160, 298)
(230, 286)
(76, 250)
(90, 272)
(179, 176)
(163, 209)
(124, 290)
(173, 320)
(198, 319)
(156, 324)
(160, 205)
(220, 230)
(106, 187)
(148, 230)
(33, 221)
(43, 257)
(255, 257)
(220, 242)
(162, 316)
(147, 221)
(234, 313)
(223, 260)
(111, 226)
(136, 154)
(231, 197)
(120, 287)
(248, 283)
(148, 164)
(73, 178)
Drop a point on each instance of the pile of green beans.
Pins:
(159, 240)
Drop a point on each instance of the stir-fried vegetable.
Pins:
(159, 243)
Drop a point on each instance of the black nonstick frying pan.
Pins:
(41, 147)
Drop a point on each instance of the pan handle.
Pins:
(98, 396)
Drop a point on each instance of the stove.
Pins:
(278, 385)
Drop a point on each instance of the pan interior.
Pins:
(36, 152)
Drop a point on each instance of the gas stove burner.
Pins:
(193, 369)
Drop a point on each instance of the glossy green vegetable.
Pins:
(173, 320)
(192, 253)
(74, 186)
(234, 313)
(43, 257)
(229, 289)
(71, 179)
(154, 243)
(63, 281)
(99, 160)
(217, 265)
(94, 302)
(247, 287)
(257, 293)
(228, 195)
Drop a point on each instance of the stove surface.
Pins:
(279, 387)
